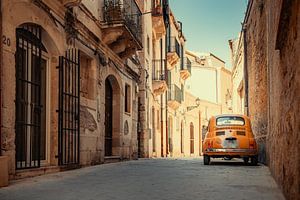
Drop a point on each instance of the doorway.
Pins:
(108, 117)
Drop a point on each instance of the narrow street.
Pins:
(134, 99)
(180, 179)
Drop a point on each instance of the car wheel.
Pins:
(254, 160)
(206, 160)
(246, 160)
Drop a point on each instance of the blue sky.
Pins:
(209, 24)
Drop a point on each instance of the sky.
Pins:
(209, 24)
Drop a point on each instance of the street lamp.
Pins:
(189, 108)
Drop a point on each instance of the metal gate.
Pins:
(69, 108)
(28, 96)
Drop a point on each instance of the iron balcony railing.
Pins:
(158, 72)
(124, 11)
(186, 64)
(173, 46)
(157, 9)
(174, 93)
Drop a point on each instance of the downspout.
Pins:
(1, 56)
(166, 100)
(246, 71)
(166, 20)
(161, 104)
(246, 76)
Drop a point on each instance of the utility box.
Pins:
(3, 171)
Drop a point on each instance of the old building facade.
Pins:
(69, 84)
(211, 83)
(211, 80)
(167, 127)
(93, 82)
(237, 79)
(271, 34)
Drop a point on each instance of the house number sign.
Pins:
(6, 40)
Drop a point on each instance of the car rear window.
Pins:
(230, 121)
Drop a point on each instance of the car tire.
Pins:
(206, 160)
(246, 160)
(254, 160)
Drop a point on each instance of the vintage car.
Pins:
(229, 136)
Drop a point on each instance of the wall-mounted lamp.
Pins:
(189, 108)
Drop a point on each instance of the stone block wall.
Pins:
(273, 58)
(257, 72)
(284, 96)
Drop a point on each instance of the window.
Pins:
(230, 121)
(127, 98)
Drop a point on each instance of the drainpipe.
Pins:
(161, 104)
(1, 56)
(166, 20)
(246, 76)
(246, 71)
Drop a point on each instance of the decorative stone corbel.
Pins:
(71, 3)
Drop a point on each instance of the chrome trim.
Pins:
(232, 150)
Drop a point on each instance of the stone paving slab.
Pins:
(148, 179)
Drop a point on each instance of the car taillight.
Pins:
(252, 144)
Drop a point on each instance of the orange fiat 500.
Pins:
(229, 136)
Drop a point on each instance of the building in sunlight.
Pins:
(238, 83)
(70, 76)
(167, 129)
(211, 83)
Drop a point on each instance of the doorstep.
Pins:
(112, 159)
(26, 173)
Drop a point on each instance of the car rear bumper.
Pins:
(230, 152)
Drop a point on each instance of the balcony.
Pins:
(121, 27)
(185, 69)
(159, 84)
(173, 54)
(174, 96)
(158, 19)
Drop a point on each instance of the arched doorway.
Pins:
(108, 117)
(113, 120)
(31, 79)
(192, 138)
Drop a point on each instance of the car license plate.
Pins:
(230, 144)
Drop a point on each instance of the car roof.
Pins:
(231, 115)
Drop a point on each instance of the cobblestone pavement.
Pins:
(159, 179)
